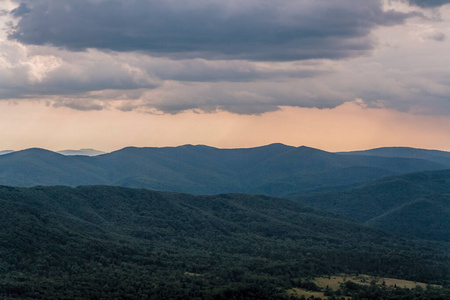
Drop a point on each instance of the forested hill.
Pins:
(416, 204)
(272, 170)
(112, 242)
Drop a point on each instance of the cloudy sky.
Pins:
(336, 75)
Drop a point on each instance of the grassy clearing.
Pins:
(334, 281)
(297, 292)
(192, 274)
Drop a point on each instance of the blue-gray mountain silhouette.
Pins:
(275, 169)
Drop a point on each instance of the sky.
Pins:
(336, 75)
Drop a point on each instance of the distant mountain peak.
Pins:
(83, 151)
(198, 146)
(308, 148)
(271, 146)
(277, 145)
(441, 157)
(2, 152)
(35, 150)
(394, 149)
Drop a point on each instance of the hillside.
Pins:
(416, 204)
(42, 167)
(107, 242)
(437, 156)
(272, 170)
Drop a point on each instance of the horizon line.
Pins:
(219, 148)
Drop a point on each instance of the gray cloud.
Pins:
(237, 97)
(437, 36)
(80, 105)
(245, 57)
(415, 89)
(21, 10)
(429, 3)
(28, 73)
(200, 70)
(33, 72)
(418, 93)
(263, 30)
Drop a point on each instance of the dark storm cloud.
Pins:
(240, 98)
(20, 11)
(199, 70)
(429, 3)
(264, 30)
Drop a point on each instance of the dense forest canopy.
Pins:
(112, 242)
(416, 204)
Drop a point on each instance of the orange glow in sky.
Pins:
(347, 127)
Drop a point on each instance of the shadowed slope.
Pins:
(416, 204)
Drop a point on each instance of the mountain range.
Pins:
(274, 169)
(383, 212)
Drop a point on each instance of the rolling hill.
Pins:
(113, 242)
(437, 156)
(272, 170)
(42, 167)
(416, 204)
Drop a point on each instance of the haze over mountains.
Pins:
(5, 151)
(86, 152)
(69, 152)
(274, 169)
